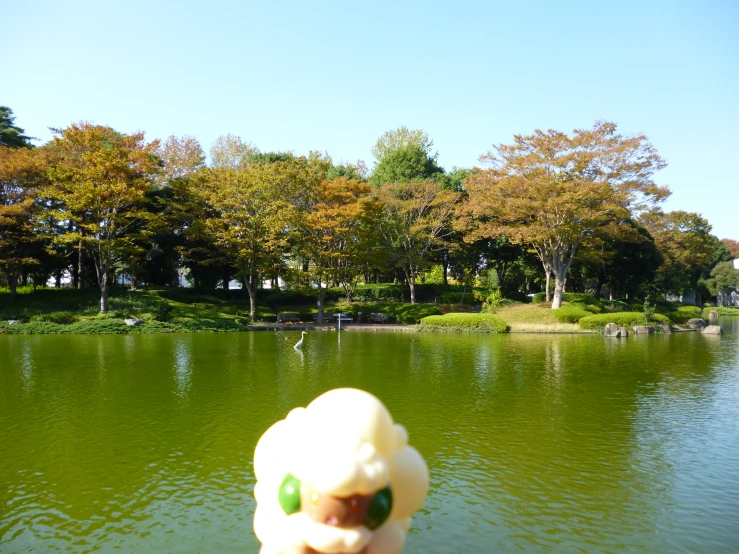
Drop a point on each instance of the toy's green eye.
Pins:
(379, 509)
(289, 494)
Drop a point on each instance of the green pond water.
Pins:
(535, 443)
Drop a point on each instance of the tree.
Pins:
(724, 279)
(181, 157)
(417, 220)
(405, 164)
(733, 247)
(684, 239)
(557, 193)
(399, 138)
(99, 178)
(258, 210)
(229, 151)
(341, 235)
(10, 134)
(22, 173)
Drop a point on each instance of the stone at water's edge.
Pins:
(664, 327)
(696, 323)
(643, 330)
(713, 317)
(624, 331)
(713, 330)
(132, 321)
(612, 330)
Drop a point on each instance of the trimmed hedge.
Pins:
(570, 313)
(624, 319)
(566, 297)
(488, 323)
(721, 311)
(683, 313)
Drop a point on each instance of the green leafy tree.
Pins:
(10, 134)
(405, 164)
(258, 209)
(229, 151)
(724, 279)
(416, 223)
(399, 138)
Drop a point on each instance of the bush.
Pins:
(567, 297)
(488, 323)
(64, 318)
(683, 313)
(570, 313)
(722, 311)
(624, 319)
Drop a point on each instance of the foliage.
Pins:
(399, 312)
(732, 246)
(721, 310)
(341, 234)
(683, 313)
(566, 297)
(11, 135)
(488, 323)
(405, 164)
(557, 193)
(416, 222)
(648, 310)
(570, 313)
(99, 178)
(230, 152)
(724, 278)
(181, 157)
(684, 239)
(257, 209)
(494, 300)
(401, 137)
(624, 319)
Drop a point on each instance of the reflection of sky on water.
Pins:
(182, 366)
(27, 366)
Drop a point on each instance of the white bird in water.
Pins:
(299, 344)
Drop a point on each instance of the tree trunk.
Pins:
(226, 279)
(104, 290)
(12, 284)
(558, 290)
(321, 298)
(445, 267)
(58, 279)
(412, 284)
(80, 263)
(549, 277)
(252, 300)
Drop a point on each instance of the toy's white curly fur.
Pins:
(343, 443)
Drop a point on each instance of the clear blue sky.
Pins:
(335, 76)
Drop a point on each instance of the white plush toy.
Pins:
(337, 477)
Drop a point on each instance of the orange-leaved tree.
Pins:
(22, 174)
(557, 193)
(341, 232)
(98, 179)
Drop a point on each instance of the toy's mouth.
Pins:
(332, 520)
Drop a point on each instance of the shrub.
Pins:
(494, 300)
(488, 323)
(624, 319)
(64, 318)
(649, 310)
(722, 311)
(567, 297)
(570, 313)
(684, 313)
